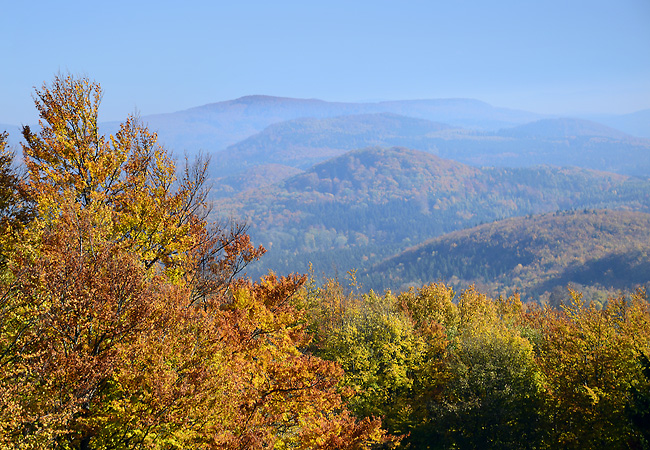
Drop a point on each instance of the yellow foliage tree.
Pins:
(124, 324)
(591, 361)
(127, 180)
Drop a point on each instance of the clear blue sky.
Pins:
(550, 56)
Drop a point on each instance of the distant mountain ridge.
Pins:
(213, 127)
(303, 142)
(636, 123)
(563, 128)
(560, 142)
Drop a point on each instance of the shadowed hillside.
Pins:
(534, 255)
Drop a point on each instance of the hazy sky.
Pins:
(549, 56)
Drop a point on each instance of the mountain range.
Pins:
(353, 185)
(239, 132)
(300, 143)
(215, 126)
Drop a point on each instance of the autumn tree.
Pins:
(393, 356)
(125, 324)
(380, 351)
(117, 359)
(593, 363)
(494, 395)
(128, 180)
(446, 372)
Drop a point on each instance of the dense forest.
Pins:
(127, 320)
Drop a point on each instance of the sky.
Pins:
(545, 56)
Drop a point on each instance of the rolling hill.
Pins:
(303, 142)
(361, 207)
(636, 123)
(535, 255)
(563, 128)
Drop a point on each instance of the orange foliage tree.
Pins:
(124, 321)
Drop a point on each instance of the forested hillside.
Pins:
(303, 142)
(534, 255)
(366, 205)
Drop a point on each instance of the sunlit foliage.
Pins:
(124, 322)
(467, 371)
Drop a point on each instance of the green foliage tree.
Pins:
(494, 396)
(485, 391)
(379, 350)
(446, 373)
